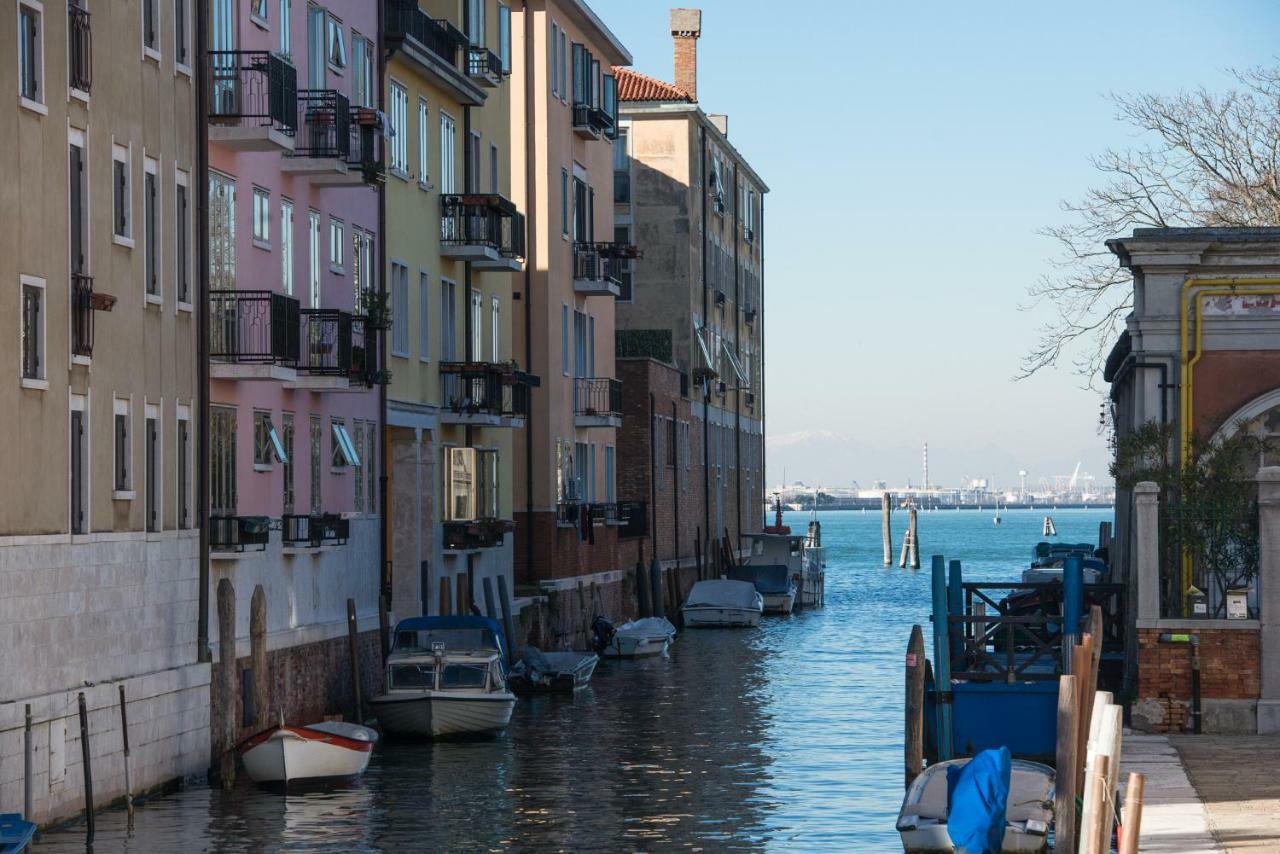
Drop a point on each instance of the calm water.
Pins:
(788, 737)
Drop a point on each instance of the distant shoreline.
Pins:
(945, 507)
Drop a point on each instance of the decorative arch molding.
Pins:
(1258, 406)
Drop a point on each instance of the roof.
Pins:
(634, 86)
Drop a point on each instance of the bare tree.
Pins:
(1210, 159)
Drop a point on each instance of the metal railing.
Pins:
(567, 512)
(81, 315)
(582, 118)
(79, 48)
(594, 262)
(254, 327)
(482, 62)
(324, 124)
(604, 513)
(482, 219)
(364, 356)
(234, 533)
(633, 518)
(296, 531)
(252, 87)
(597, 396)
(404, 20)
(326, 342)
(475, 533)
(364, 152)
(484, 388)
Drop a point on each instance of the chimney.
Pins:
(721, 123)
(686, 26)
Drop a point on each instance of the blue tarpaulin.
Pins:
(977, 795)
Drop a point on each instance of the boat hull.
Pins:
(711, 616)
(437, 716)
(635, 646)
(779, 603)
(299, 753)
(934, 839)
(574, 673)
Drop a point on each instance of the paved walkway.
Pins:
(1174, 819)
(1239, 779)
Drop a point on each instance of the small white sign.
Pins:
(1237, 605)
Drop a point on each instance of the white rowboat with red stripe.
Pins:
(325, 750)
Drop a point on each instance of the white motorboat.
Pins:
(922, 822)
(773, 583)
(552, 672)
(722, 603)
(635, 639)
(286, 753)
(446, 676)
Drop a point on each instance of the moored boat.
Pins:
(541, 672)
(285, 753)
(773, 583)
(446, 676)
(634, 639)
(722, 603)
(15, 833)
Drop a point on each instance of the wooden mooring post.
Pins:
(258, 658)
(28, 767)
(1064, 804)
(508, 624)
(1094, 806)
(124, 742)
(353, 646)
(1131, 825)
(886, 531)
(227, 689)
(913, 743)
(384, 628)
(88, 769)
(910, 544)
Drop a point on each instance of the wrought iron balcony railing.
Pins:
(597, 397)
(633, 518)
(324, 124)
(484, 388)
(235, 533)
(475, 533)
(253, 88)
(326, 342)
(79, 48)
(254, 327)
(484, 65)
(81, 315)
(314, 530)
(482, 219)
(404, 20)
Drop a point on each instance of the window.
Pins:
(472, 170)
(564, 339)
(314, 438)
(460, 466)
(313, 232)
(33, 334)
(181, 36)
(622, 270)
(183, 459)
(564, 202)
(554, 54)
(123, 452)
(222, 232)
(495, 329)
(580, 465)
(261, 218)
(337, 45)
(564, 69)
(581, 68)
(399, 309)
(151, 439)
(448, 172)
(258, 11)
(424, 317)
(79, 204)
(475, 350)
(182, 225)
(286, 246)
(448, 321)
(475, 22)
(344, 450)
(671, 442)
(267, 447)
(371, 465)
(286, 439)
(316, 67)
(150, 41)
(423, 149)
(121, 181)
(79, 486)
(363, 88)
(30, 54)
(579, 344)
(285, 26)
(621, 168)
(363, 269)
(610, 467)
(494, 186)
(581, 220)
(222, 460)
(504, 37)
(487, 478)
(400, 129)
(337, 245)
(151, 225)
(358, 480)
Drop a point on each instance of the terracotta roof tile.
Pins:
(634, 86)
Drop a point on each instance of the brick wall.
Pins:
(1229, 670)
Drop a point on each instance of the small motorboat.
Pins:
(634, 639)
(922, 822)
(446, 676)
(15, 834)
(722, 603)
(541, 672)
(773, 583)
(285, 753)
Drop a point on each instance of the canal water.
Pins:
(786, 737)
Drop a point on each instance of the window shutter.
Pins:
(35, 332)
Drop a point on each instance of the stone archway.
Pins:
(1260, 417)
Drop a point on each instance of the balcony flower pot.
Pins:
(101, 302)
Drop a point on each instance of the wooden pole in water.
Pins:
(697, 552)
(1085, 688)
(913, 743)
(942, 657)
(1131, 826)
(28, 768)
(353, 647)
(1091, 819)
(490, 607)
(886, 531)
(258, 658)
(915, 539)
(124, 740)
(445, 607)
(508, 625)
(1064, 804)
(384, 628)
(227, 679)
(906, 548)
(88, 767)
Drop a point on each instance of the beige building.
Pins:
(458, 396)
(99, 584)
(563, 69)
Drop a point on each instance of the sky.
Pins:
(913, 151)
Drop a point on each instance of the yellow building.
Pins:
(454, 247)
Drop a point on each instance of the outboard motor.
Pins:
(604, 632)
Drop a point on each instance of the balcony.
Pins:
(253, 100)
(597, 402)
(568, 512)
(434, 46)
(475, 534)
(484, 66)
(633, 519)
(81, 316)
(483, 228)
(313, 531)
(253, 335)
(598, 267)
(327, 352)
(230, 536)
(79, 49)
(336, 145)
(590, 122)
(483, 394)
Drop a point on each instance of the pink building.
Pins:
(295, 162)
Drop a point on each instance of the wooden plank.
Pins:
(1132, 823)
(1091, 819)
(913, 747)
(1064, 807)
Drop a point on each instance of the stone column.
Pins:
(1268, 582)
(1146, 557)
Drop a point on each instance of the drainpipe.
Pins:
(1128, 366)
(706, 389)
(653, 476)
(384, 453)
(737, 350)
(202, 328)
(1193, 641)
(760, 330)
(529, 246)
(468, 327)
(675, 484)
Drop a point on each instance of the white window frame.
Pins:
(39, 382)
(122, 154)
(335, 44)
(399, 107)
(313, 248)
(564, 67)
(152, 53)
(400, 309)
(564, 338)
(337, 246)
(504, 37)
(122, 406)
(424, 144)
(495, 329)
(261, 217)
(182, 179)
(260, 19)
(448, 153)
(284, 11)
(151, 166)
(183, 416)
(341, 441)
(424, 316)
(554, 56)
(286, 245)
(364, 86)
(36, 104)
(273, 447)
(182, 39)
